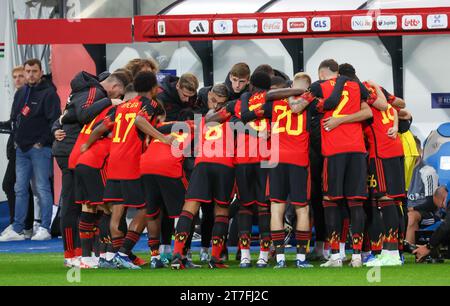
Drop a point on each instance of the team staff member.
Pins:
(442, 234)
(89, 96)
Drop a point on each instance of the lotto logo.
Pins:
(413, 22)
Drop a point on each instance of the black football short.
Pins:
(211, 182)
(387, 177)
(162, 191)
(124, 192)
(252, 184)
(345, 176)
(291, 182)
(89, 185)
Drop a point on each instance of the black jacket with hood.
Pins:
(44, 108)
(168, 96)
(231, 94)
(87, 99)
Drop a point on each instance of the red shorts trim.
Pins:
(278, 201)
(304, 204)
(154, 214)
(113, 200)
(334, 198)
(96, 203)
(198, 200)
(356, 198)
(249, 203)
(134, 205)
(221, 202)
(396, 196)
(262, 204)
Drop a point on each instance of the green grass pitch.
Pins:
(47, 269)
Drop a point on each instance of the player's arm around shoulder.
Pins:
(364, 114)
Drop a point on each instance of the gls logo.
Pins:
(199, 27)
(321, 24)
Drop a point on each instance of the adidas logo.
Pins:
(199, 27)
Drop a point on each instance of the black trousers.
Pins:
(9, 180)
(316, 168)
(70, 212)
(207, 224)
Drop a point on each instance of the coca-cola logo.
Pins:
(272, 25)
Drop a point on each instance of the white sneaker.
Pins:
(76, 262)
(332, 263)
(356, 263)
(12, 236)
(68, 262)
(36, 226)
(73, 262)
(88, 263)
(385, 260)
(41, 235)
(28, 233)
(9, 228)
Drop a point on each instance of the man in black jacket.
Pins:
(90, 95)
(177, 94)
(236, 82)
(18, 75)
(442, 234)
(36, 106)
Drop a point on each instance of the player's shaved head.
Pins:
(440, 196)
(328, 69)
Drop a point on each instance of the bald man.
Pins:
(442, 234)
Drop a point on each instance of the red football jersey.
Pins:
(164, 159)
(83, 137)
(290, 137)
(128, 142)
(216, 144)
(380, 145)
(346, 138)
(97, 155)
(249, 148)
